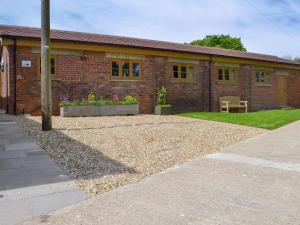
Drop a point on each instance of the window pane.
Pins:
(220, 71)
(262, 77)
(191, 72)
(52, 66)
(115, 69)
(226, 71)
(183, 72)
(125, 69)
(136, 70)
(226, 74)
(232, 75)
(175, 71)
(257, 77)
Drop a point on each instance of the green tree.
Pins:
(296, 59)
(221, 41)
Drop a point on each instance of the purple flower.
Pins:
(63, 97)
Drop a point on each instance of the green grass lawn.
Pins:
(267, 119)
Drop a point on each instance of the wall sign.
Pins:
(26, 63)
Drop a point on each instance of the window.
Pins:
(263, 77)
(175, 71)
(125, 70)
(183, 72)
(52, 66)
(115, 69)
(136, 70)
(226, 75)
(191, 72)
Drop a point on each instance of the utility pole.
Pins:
(46, 97)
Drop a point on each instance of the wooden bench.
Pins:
(232, 102)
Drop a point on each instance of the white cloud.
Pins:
(269, 26)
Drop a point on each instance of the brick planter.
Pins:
(105, 110)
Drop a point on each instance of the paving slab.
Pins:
(279, 145)
(7, 164)
(31, 184)
(46, 203)
(243, 184)
(21, 146)
(14, 212)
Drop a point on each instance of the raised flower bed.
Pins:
(127, 106)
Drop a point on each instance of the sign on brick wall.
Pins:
(26, 63)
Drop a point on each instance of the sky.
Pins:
(265, 26)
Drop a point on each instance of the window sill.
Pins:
(226, 83)
(264, 85)
(184, 81)
(115, 80)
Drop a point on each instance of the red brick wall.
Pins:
(264, 96)
(240, 88)
(293, 88)
(259, 96)
(186, 96)
(75, 77)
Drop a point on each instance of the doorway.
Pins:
(282, 91)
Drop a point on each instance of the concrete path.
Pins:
(251, 183)
(31, 184)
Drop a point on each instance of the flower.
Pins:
(91, 96)
(63, 97)
(115, 98)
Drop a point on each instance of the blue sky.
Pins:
(265, 26)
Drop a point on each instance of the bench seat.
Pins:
(232, 102)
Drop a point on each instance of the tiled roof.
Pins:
(29, 32)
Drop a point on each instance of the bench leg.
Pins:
(226, 109)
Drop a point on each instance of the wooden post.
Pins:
(46, 67)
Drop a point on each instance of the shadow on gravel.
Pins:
(80, 160)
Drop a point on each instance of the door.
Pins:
(282, 91)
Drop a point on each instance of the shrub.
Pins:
(161, 96)
(129, 100)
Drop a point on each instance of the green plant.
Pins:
(165, 106)
(161, 96)
(68, 103)
(91, 96)
(221, 41)
(129, 100)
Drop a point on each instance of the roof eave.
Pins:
(152, 48)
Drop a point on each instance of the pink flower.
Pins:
(115, 98)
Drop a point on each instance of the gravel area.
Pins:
(103, 153)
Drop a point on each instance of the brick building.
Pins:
(110, 65)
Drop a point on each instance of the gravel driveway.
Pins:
(103, 153)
